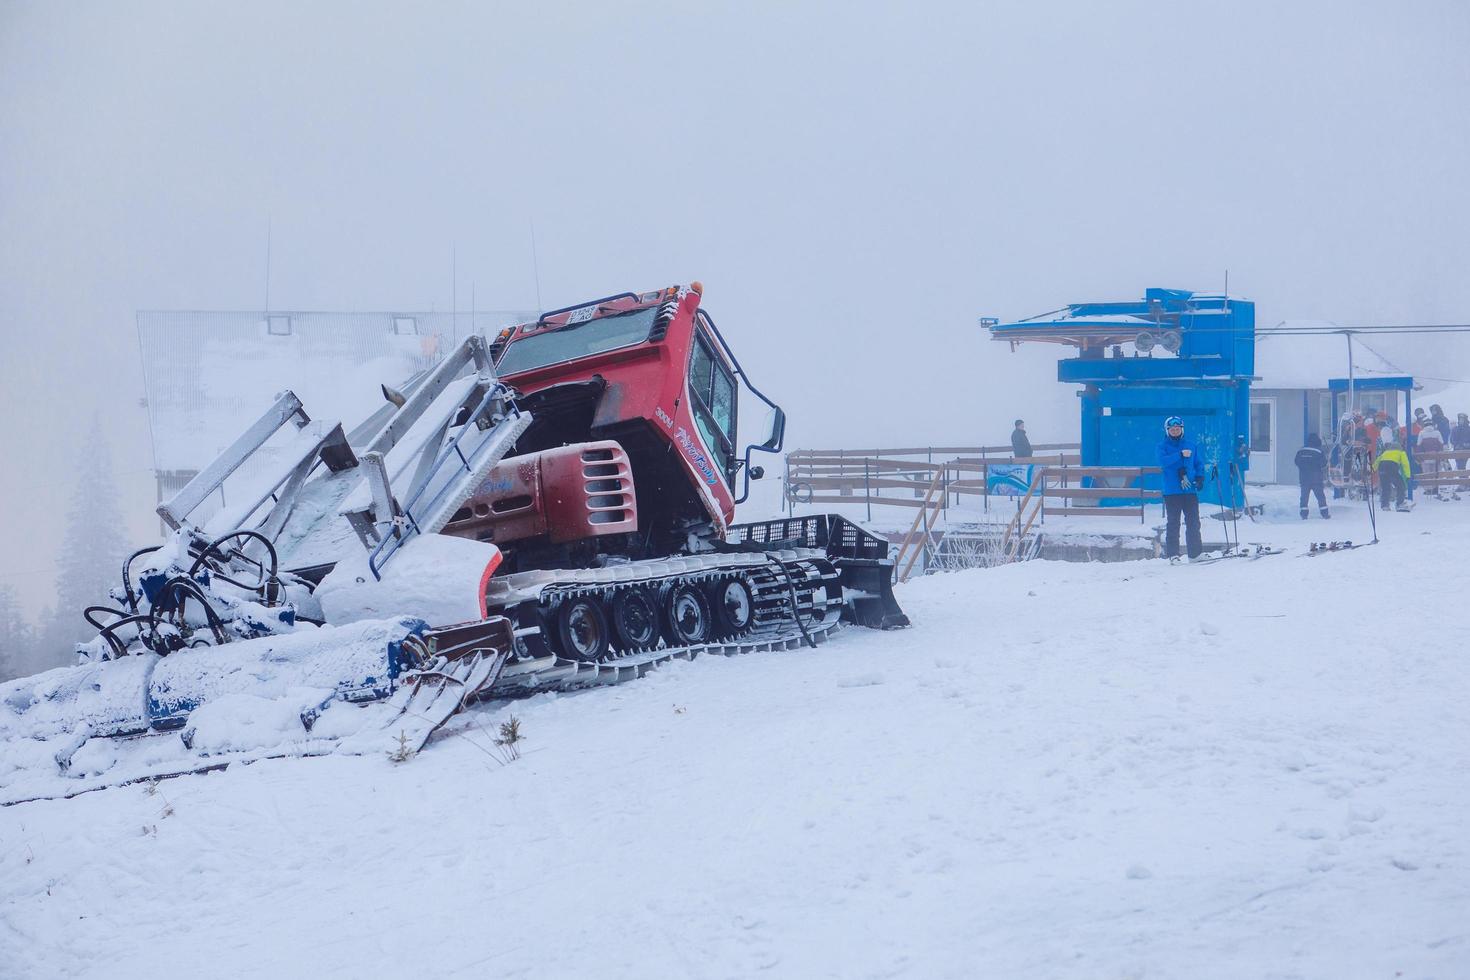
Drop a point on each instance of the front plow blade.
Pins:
(468, 660)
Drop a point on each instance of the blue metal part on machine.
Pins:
(152, 584)
(282, 619)
(398, 659)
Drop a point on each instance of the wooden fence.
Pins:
(1449, 467)
(939, 476)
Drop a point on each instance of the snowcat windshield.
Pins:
(577, 340)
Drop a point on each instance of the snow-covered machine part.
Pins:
(212, 624)
(440, 580)
(48, 719)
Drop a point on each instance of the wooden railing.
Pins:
(917, 541)
(1448, 473)
(1016, 531)
(945, 474)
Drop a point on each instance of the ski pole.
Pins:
(1225, 527)
(1235, 474)
(1368, 492)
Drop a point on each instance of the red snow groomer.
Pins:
(640, 447)
(549, 510)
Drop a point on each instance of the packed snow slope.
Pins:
(1246, 769)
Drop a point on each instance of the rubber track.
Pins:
(775, 627)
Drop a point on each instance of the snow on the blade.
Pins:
(107, 696)
(43, 719)
(437, 578)
(242, 721)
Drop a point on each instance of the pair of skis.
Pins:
(1328, 547)
(1252, 552)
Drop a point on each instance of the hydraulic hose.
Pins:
(263, 585)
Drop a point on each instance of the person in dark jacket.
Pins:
(1183, 474)
(1460, 437)
(1311, 474)
(1441, 422)
(1020, 445)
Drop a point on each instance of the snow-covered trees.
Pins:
(92, 551)
(16, 638)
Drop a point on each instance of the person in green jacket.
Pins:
(1393, 475)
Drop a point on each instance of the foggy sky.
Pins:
(855, 185)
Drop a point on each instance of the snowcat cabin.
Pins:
(636, 401)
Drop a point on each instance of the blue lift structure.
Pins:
(1173, 353)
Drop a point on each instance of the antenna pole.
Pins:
(268, 263)
(536, 268)
(1352, 381)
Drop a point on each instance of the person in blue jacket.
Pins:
(1183, 474)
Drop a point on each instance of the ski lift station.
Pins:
(1172, 353)
(1249, 399)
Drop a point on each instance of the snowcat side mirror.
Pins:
(756, 472)
(778, 433)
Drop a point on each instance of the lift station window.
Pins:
(1262, 426)
(405, 326)
(278, 326)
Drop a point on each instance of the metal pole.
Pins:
(928, 539)
(786, 483)
(268, 263)
(985, 478)
(867, 490)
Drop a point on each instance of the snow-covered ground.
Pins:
(1245, 769)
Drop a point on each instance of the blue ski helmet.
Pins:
(1172, 421)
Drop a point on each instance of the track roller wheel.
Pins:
(731, 606)
(634, 616)
(536, 626)
(581, 629)
(687, 616)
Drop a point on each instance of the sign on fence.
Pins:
(1008, 479)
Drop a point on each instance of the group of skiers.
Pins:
(1379, 447)
(1373, 447)
(1371, 443)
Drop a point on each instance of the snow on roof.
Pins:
(1126, 318)
(208, 375)
(1309, 360)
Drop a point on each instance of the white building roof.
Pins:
(208, 375)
